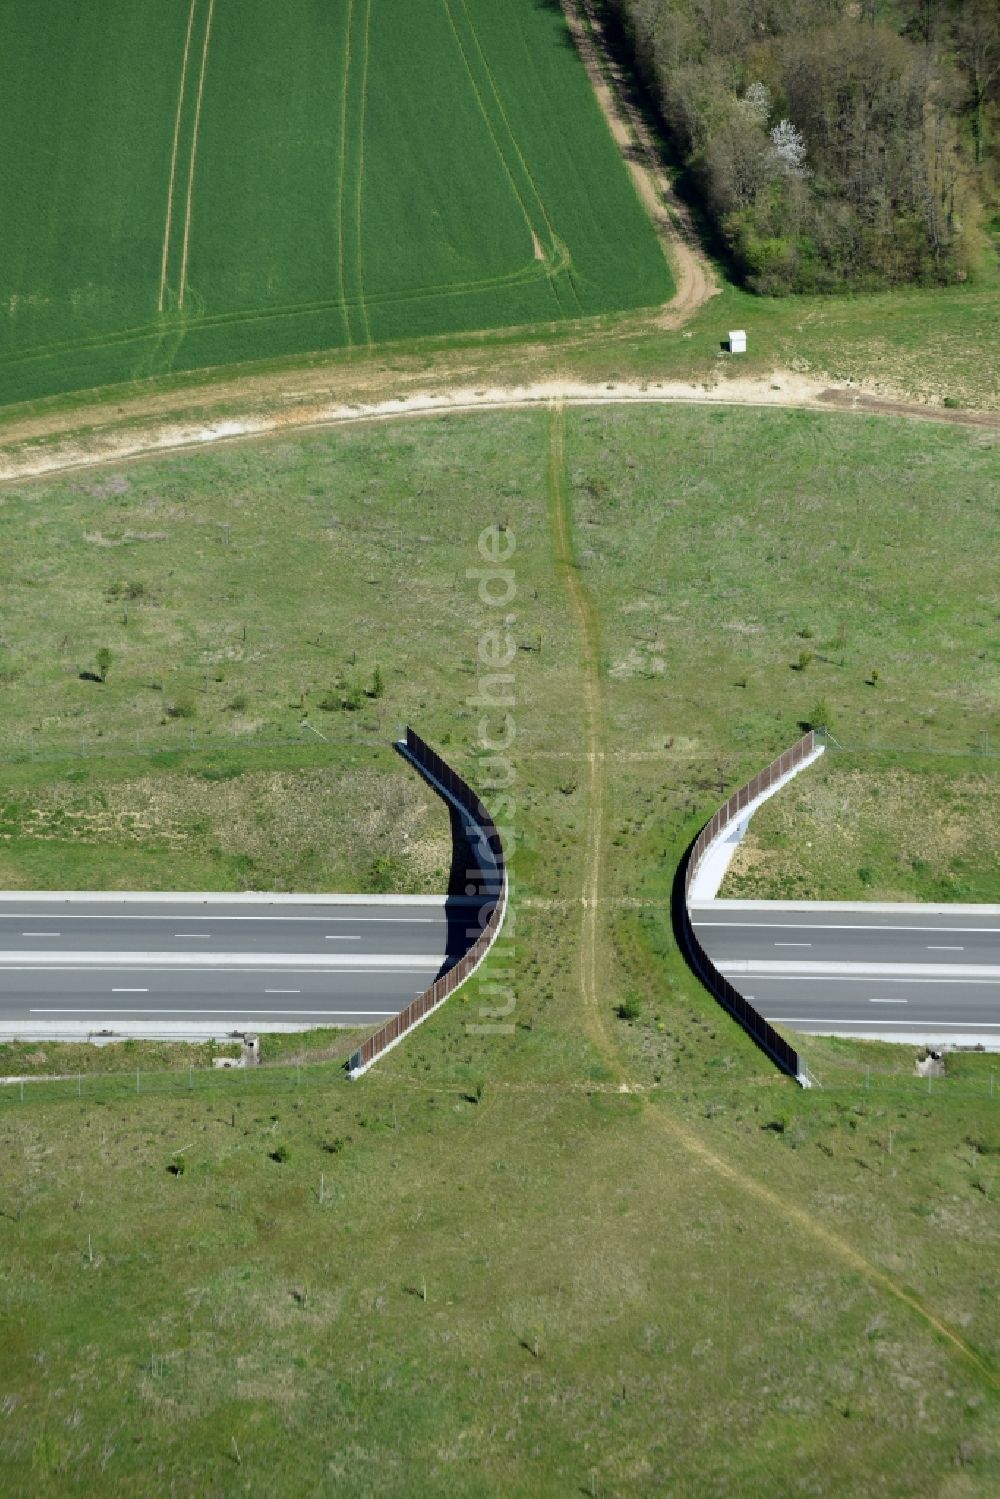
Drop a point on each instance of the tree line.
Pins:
(834, 143)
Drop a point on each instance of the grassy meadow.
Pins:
(607, 1249)
(196, 183)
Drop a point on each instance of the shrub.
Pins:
(385, 874)
(280, 1153)
(819, 716)
(630, 1008)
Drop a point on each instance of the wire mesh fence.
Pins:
(981, 744)
(860, 1088)
(869, 1086)
(230, 1083)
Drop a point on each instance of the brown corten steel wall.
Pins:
(731, 999)
(439, 991)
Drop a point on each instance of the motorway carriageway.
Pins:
(903, 972)
(175, 964)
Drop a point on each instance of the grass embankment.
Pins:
(235, 184)
(864, 827)
(712, 1283)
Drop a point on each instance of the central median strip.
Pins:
(926, 972)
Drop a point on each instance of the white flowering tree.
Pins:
(789, 149)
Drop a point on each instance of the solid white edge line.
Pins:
(830, 926)
(204, 1013)
(328, 961)
(859, 978)
(965, 1028)
(191, 916)
(864, 907)
(224, 897)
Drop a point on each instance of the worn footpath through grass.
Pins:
(592, 738)
(594, 939)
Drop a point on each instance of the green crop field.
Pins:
(197, 182)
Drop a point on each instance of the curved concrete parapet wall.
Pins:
(760, 1030)
(487, 850)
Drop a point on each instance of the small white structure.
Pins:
(737, 341)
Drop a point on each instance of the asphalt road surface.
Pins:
(848, 972)
(235, 965)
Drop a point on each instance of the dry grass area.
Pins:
(332, 827)
(848, 830)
